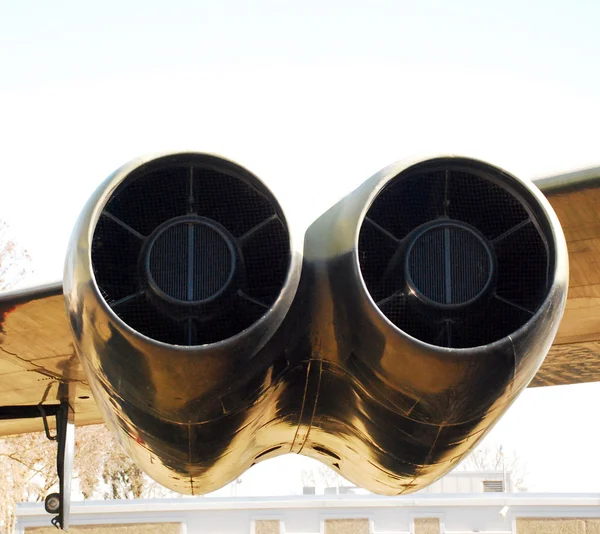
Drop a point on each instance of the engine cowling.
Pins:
(438, 286)
(180, 270)
(423, 303)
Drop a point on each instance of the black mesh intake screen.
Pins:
(190, 252)
(190, 262)
(455, 258)
(448, 265)
(429, 251)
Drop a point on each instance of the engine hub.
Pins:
(449, 264)
(190, 261)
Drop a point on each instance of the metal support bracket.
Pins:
(55, 503)
(60, 503)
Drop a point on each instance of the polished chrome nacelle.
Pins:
(180, 270)
(422, 304)
(437, 289)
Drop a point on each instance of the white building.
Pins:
(454, 482)
(461, 503)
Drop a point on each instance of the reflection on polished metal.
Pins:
(409, 384)
(422, 304)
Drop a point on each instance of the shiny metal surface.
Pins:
(394, 413)
(324, 373)
(192, 417)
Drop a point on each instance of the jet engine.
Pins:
(419, 308)
(438, 287)
(180, 270)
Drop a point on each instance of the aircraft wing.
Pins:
(37, 354)
(575, 355)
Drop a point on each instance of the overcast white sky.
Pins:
(314, 97)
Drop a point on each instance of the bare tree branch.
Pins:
(496, 458)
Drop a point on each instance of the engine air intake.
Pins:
(454, 254)
(190, 250)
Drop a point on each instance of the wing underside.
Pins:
(575, 355)
(36, 356)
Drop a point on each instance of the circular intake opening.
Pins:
(191, 249)
(456, 253)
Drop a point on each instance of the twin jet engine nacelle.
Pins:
(385, 345)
